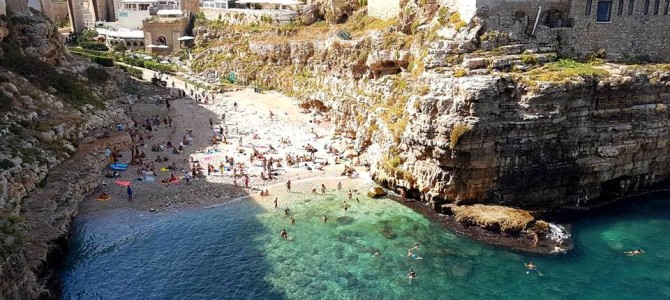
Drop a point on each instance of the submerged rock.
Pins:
(345, 220)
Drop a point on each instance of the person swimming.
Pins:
(416, 246)
(287, 211)
(292, 221)
(634, 252)
(413, 255)
(325, 218)
(411, 275)
(284, 234)
(530, 266)
(377, 254)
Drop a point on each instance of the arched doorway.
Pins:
(554, 18)
(161, 41)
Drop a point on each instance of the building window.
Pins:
(604, 10)
(620, 8)
(588, 7)
(657, 4)
(161, 40)
(646, 7)
(667, 5)
(631, 6)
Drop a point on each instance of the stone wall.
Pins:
(60, 12)
(17, 6)
(249, 16)
(383, 9)
(639, 34)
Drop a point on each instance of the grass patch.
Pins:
(565, 69)
(456, 134)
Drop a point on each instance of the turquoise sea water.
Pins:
(234, 251)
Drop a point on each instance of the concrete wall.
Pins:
(131, 19)
(60, 11)
(383, 9)
(170, 30)
(248, 16)
(18, 6)
(636, 34)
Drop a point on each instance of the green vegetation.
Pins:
(90, 45)
(67, 86)
(459, 72)
(457, 132)
(266, 19)
(565, 69)
(528, 58)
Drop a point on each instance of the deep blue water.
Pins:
(234, 252)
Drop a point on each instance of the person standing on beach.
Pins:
(246, 181)
(211, 123)
(275, 202)
(167, 104)
(323, 189)
(187, 178)
(129, 190)
(288, 186)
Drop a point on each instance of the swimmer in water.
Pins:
(634, 252)
(416, 246)
(287, 211)
(377, 254)
(358, 200)
(284, 234)
(530, 266)
(276, 202)
(325, 219)
(339, 186)
(349, 194)
(411, 275)
(413, 255)
(292, 221)
(314, 191)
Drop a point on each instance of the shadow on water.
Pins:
(198, 254)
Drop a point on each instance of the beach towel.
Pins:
(103, 198)
(164, 169)
(118, 167)
(123, 183)
(149, 179)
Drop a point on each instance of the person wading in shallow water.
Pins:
(275, 202)
(288, 186)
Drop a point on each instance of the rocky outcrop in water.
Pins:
(50, 104)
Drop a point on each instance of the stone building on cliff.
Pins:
(619, 27)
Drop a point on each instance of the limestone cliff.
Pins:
(50, 103)
(465, 113)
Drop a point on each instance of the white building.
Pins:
(132, 39)
(133, 12)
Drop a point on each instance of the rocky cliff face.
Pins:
(468, 113)
(50, 103)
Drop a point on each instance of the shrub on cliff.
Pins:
(67, 86)
(456, 133)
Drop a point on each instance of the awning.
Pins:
(168, 12)
(151, 46)
(185, 38)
